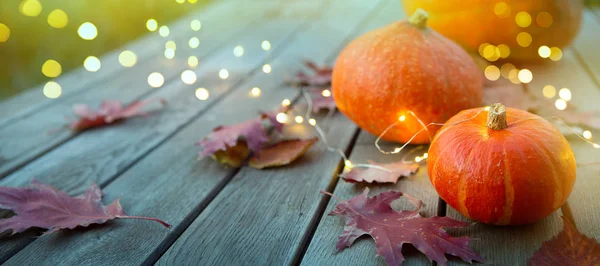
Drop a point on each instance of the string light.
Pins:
(555, 54)
(151, 24)
(281, 118)
(58, 19)
(523, 19)
(312, 121)
(194, 42)
(92, 64)
(255, 92)
(196, 25)
(524, 39)
(188, 77)
(4, 33)
(127, 58)
(238, 51)
(587, 134)
(266, 68)
(549, 91)
(30, 8)
(402, 118)
(298, 119)
(326, 93)
(155, 80)
(192, 61)
(169, 53)
(492, 72)
(544, 51)
(87, 31)
(51, 68)
(265, 45)
(170, 45)
(560, 104)
(223, 74)
(164, 31)
(202, 94)
(285, 102)
(52, 90)
(544, 19)
(525, 75)
(564, 94)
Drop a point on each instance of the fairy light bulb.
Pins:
(255, 92)
(402, 118)
(560, 104)
(298, 119)
(348, 163)
(266, 68)
(544, 51)
(285, 102)
(587, 134)
(281, 118)
(238, 51)
(188, 77)
(418, 159)
(549, 91)
(265, 45)
(564, 94)
(596, 146)
(202, 94)
(425, 155)
(312, 121)
(223, 73)
(326, 93)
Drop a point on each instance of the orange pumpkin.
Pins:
(402, 67)
(510, 168)
(471, 23)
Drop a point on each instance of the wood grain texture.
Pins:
(101, 155)
(149, 50)
(28, 137)
(586, 45)
(322, 247)
(260, 217)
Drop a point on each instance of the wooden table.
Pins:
(244, 216)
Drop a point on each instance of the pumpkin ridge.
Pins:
(437, 159)
(462, 188)
(509, 192)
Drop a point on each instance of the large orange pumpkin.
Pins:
(471, 23)
(402, 67)
(503, 167)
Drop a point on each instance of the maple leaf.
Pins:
(281, 153)
(384, 173)
(391, 230)
(569, 247)
(109, 112)
(321, 76)
(46, 207)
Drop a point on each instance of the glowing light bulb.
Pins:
(87, 31)
(155, 80)
(544, 51)
(326, 93)
(525, 75)
(4, 33)
(127, 58)
(92, 64)
(151, 25)
(564, 94)
(202, 94)
(188, 77)
(281, 118)
(30, 8)
(487, 108)
(171, 45)
(402, 118)
(312, 121)
(425, 155)
(52, 90)
(266, 68)
(51, 68)
(255, 92)
(223, 74)
(192, 61)
(265, 45)
(194, 42)
(587, 134)
(164, 31)
(492, 72)
(549, 91)
(348, 163)
(560, 104)
(196, 25)
(524, 39)
(169, 53)
(58, 19)
(596, 146)
(418, 159)
(299, 119)
(285, 102)
(238, 51)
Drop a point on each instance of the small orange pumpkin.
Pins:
(471, 23)
(405, 66)
(510, 168)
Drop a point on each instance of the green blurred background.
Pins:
(32, 40)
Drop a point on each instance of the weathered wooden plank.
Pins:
(101, 155)
(262, 217)
(586, 45)
(322, 247)
(28, 137)
(149, 49)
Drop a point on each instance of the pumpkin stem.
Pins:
(496, 119)
(419, 18)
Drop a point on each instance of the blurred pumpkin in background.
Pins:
(518, 27)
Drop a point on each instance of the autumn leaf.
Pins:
(569, 247)
(46, 207)
(383, 173)
(109, 112)
(391, 230)
(321, 76)
(282, 153)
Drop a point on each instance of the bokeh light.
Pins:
(170, 45)
(202, 94)
(513, 76)
(523, 19)
(127, 58)
(188, 77)
(255, 92)
(560, 104)
(525, 75)
(565, 94)
(502, 10)
(30, 8)
(544, 19)
(51, 68)
(58, 19)
(544, 51)
(524, 39)
(87, 31)
(4, 33)
(506, 68)
(155, 80)
(281, 118)
(238, 51)
(492, 72)
(285, 102)
(587, 134)
(151, 24)
(194, 42)
(92, 64)
(164, 31)
(170, 53)
(504, 50)
(195, 25)
(555, 54)
(491, 53)
(549, 91)
(223, 73)
(52, 90)
(298, 119)
(192, 61)
(180, 1)
(266, 68)
(312, 121)
(326, 93)
(265, 45)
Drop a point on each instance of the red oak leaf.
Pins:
(391, 230)
(568, 248)
(321, 76)
(387, 173)
(109, 112)
(45, 207)
(252, 131)
(282, 153)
